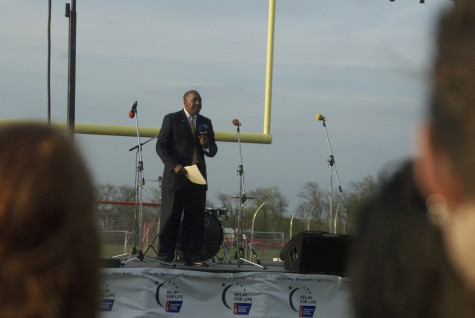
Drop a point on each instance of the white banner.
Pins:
(162, 292)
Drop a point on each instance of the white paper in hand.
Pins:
(194, 174)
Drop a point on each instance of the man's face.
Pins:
(193, 103)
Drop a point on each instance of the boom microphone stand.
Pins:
(332, 164)
(137, 254)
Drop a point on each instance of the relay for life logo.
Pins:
(107, 297)
(302, 301)
(169, 296)
(236, 298)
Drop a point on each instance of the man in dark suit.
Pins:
(179, 146)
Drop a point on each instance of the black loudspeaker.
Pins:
(317, 252)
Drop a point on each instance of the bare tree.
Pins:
(107, 214)
(232, 206)
(270, 217)
(359, 192)
(313, 202)
(118, 216)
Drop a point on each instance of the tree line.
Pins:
(316, 210)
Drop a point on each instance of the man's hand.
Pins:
(179, 169)
(204, 141)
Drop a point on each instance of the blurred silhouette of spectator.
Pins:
(398, 266)
(414, 253)
(49, 248)
(444, 170)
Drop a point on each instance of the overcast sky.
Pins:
(363, 64)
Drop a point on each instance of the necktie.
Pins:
(192, 126)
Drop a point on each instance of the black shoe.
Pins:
(193, 262)
(165, 258)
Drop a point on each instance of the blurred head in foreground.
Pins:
(445, 170)
(49, 247)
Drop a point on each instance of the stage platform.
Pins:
(228, 266)
(150, 289)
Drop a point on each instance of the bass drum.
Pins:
(213, 238)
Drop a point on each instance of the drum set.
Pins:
(213, 240)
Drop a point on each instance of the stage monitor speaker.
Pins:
(317, 252)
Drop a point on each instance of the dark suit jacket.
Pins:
(175, 145)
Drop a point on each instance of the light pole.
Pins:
(292, 220)
(253, 218)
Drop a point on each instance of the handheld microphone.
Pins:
(321, 117)
(236, 122)
(133, 110)
(203, 130)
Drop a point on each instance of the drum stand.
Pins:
(228, 258)
(137, 254)
(239, 255)
(253, 251)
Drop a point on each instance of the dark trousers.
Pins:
(191, 202)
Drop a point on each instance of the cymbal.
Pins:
(247, 197)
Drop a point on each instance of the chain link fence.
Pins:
(125, 227)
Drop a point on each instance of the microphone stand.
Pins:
(137, 254)
(239, 255)
(140, 145)
(332, 164)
